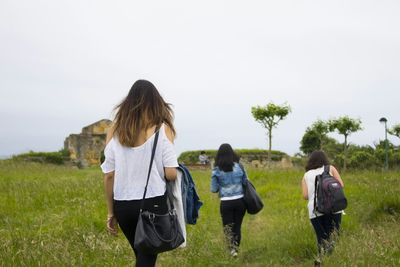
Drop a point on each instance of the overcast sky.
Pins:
(66, 64)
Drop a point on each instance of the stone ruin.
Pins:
(253, 160)
(259, 161)
(86, 149)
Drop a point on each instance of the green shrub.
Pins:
(64, 152)
(299, 162)
(192, 157)
(43, 157)
(363, 160)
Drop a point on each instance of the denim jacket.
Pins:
(190, 199)
(228, 184)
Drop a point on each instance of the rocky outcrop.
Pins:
(86, 149)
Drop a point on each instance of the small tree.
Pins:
(310, 141)
(345, 126)
(315, 137)
(269, 116)
(395, 130)
(321, 128)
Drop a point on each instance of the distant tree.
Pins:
(315, 137)
(269, 116)
(322, 129)
(395, 130)
(345, 126)
(310, 141)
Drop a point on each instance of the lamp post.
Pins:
(384, 120)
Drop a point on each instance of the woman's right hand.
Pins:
(112, 225)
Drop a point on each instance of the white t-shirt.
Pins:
(131, 166)
(309, 177)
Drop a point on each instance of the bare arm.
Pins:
(108, 187)
(304, 189)
(170, 173)
(336, 174)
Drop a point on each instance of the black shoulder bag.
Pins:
(251, 199)
(156, 233)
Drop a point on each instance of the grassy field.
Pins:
(55, 216)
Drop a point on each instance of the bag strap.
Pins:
(151, 165)
(327, 169)
(315, 195)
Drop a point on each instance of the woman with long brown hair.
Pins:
(325, 225)
(127, 156)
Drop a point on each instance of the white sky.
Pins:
(66, 64)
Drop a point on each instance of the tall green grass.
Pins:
(55, 216)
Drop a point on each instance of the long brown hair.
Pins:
(316, 160)
(141, 109)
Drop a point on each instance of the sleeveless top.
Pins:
(131, 165)
(309, 177)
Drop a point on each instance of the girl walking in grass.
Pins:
(227, 179)
(127, 157)
(324, 224)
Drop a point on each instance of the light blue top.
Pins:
(228, 184)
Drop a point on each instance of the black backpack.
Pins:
(329, 196)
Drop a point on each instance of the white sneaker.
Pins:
(317, 262)
(234, 253)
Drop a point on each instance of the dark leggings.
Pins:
(232, 213)
(325, 225)
(127, 214)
